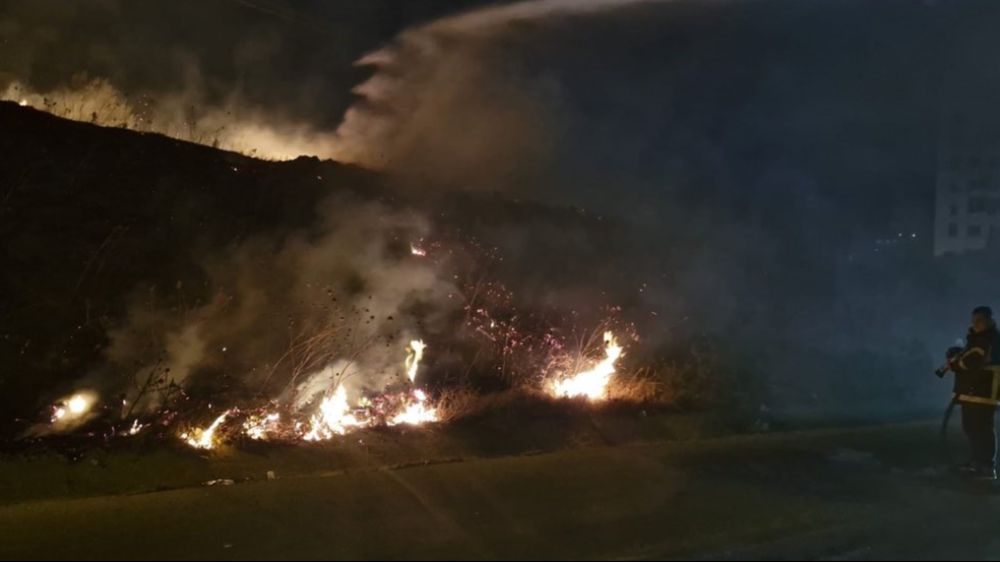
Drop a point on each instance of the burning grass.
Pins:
(349, 366)
(588, 380)
(336, 415)
(591, 383)
(314, 334)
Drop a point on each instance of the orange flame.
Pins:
(205, 438)
(593, 383)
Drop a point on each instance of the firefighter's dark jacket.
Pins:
(977, 368)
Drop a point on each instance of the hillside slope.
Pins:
(91, 217)
(88, 214)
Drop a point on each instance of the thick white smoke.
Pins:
(447, 103)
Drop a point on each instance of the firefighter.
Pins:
(976, 389)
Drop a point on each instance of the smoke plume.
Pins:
(290, 316)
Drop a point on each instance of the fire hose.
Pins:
(946, 419)
(944, 423)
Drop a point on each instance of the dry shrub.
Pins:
(692, 384)
(642, 386)
(691, 381)
(465, 403)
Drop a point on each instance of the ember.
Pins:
(136, 428)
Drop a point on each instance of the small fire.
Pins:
(416, 412)
(414, 354)
(334, 417)
(136, 428)
(591, 384)
(205, 438)
(259, 427)
(417, 250)
(73, 408)
(23, 103)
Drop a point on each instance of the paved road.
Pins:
(856, 494)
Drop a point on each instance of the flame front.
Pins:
(591, 384)
(334, 416)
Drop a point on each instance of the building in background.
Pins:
(967, 202)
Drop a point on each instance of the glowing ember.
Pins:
(416, 411)
(204, 438)
(334, 417)
(414, 354)
(79, 404)
(136, 428)
(73, 408)
(259, 427)
(591, 384)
